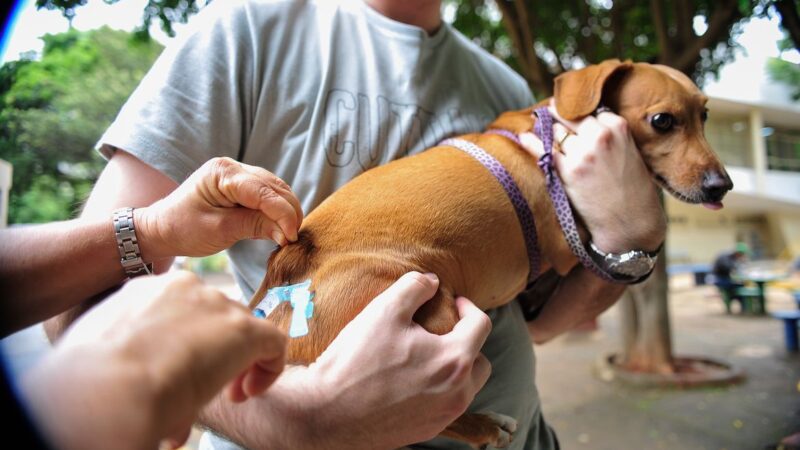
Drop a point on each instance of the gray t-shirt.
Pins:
(318, 92)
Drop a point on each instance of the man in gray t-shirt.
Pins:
(318, 92)
(297, 105)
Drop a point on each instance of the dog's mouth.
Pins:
(693, 198)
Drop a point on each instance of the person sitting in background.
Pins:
(726, 269)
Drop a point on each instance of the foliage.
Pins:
(785, 71)
(53, 111)
(542, 39)
(789, 11)
(167, 12)
(216, 263)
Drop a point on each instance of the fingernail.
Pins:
(279, 238)
(431, 276)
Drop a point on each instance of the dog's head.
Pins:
(666, 114)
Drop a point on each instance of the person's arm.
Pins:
(140, 366)
(383, 383)
(433, 378)
(220, 203)
(611, 189)
(579, 297)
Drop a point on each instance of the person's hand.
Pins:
(222, 202)
(607, 182)
(387, 370)
(384, 382)
(139, 367)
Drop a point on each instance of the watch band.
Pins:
(630, 267)
(128, 245)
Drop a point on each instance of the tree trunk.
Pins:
(646, 337)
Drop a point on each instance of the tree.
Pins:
(548, 38)
(790, 19)
(785, 71)
(167, 12)
(53, 111)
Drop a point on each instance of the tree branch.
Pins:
(790, 19)
(617, 26)
(516, 21)
(684, 21)
(660, 24)
(719, 25)
(586, 44)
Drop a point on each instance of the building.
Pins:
(758, 139)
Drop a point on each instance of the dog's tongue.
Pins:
(713, 206)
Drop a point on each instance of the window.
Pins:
(783, 149)
(729, 137)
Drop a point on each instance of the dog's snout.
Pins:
(715, 185)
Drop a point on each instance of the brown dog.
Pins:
(419, 214)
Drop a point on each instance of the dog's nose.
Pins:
(715, 185)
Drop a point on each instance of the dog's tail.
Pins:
(288, 265)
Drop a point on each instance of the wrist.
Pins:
(287, 415)
(152, 244)
(311, 411)
(625, 236)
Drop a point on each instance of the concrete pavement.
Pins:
(589, 413)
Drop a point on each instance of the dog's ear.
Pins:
(578, 92)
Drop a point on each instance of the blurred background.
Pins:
(682, 361)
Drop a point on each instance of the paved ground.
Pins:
(589, 413)
(593, 414)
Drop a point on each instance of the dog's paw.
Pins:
(506, 426)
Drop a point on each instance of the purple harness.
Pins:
(524, 214)
(544, 129)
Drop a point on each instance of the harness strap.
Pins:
(544, 129)
(524, 214)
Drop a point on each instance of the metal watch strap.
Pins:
(128, 245)
(607, 260)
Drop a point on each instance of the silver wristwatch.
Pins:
(128, 245)
(629, 267)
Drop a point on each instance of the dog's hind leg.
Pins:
(482, 429)
(439, 316)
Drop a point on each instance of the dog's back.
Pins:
(438, 212)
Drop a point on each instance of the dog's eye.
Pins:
(662, 121)
(704, 116)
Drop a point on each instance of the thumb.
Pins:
(177, 439)
(407, 294)
(253, 224)
(532, 144)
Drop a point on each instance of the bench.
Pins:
(790, 320)
(750, 299)
(700, 272)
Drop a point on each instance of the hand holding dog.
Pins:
(384, 382)
(140, 367)
(607, 182)
(221, 203)
(386, 370)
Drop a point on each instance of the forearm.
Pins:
(278, 418)
(46, 270)
(580, 296)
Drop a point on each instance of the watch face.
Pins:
(636, 266)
